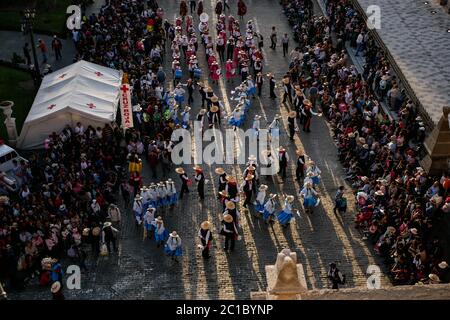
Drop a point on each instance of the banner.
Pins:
(125, 106)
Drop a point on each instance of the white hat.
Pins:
(443, 265)
(56, 286)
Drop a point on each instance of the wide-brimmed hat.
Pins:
(223, 193)
(219, 171)
(107, 224)
(209, 89)
(290, 199)
(251, 167)
(174, 234)
(281, 148)
(197, 168)
(187, 109)
(307, 102)
(273, 196)
(300, 152)
(434, 278)
(413, 231)
(293, 114)
(270, 74)
(230, 205)
(202, 111)
(205, 225)
(56, 286)
(249, 177)
(443, 265)
(228, 218)
(214, 99)
(214, 108)
(231, 179)
(263, 187)
(159, 219)
(179, 170)
(96, 231)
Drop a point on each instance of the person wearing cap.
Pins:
(206, 238)
(230, 232)
(173, 246)
(284, 216)
(109, 236)
(161, 233)
(200, 178)
(184, 181)
(283, 160)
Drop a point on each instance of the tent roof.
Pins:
(82, 87)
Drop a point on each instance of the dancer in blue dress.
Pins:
(316, 172)
(172, 192)
(161, 232)
(269, 209)
(310, 197)
(149, 221)
(285, 216)
(173, 246)
(261, 198)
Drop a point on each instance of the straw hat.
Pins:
(306, 102)
(270, 74)
(413, 231)
(224, 193)
(434, 278)
(249, 177)
(187, 109)
(231, 179)
(230, 205)
(209, 89)
(281, 148)
(263, 187)
(214, 99)
(272, 196)
(293, 114)
(214, 108)
(56, 286)
(290, 199)
(174, 234)
(443, 265)
(300, 152)
(86, 232)
(205, 225)
(107, 224)
(202, 111)
(179, 170)
(159, 219)
(96, 231)
(219, 171)
(251, 167)
(197, 168)
(252, 158)
(379, 193)
(228, 218)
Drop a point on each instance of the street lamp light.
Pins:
(29, 15)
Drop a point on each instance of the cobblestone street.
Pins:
(141, 271)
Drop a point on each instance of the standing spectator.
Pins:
(285, 42)
(57, 47)
(359, 43)
(273, 39)
(192, 5)
(26, 53)
(41, 46)
(109, 236)
(340, 203)
(114, 215)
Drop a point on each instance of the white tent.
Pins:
(82, 92)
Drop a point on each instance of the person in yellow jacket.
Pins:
(135, 165)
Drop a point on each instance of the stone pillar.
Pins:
(285, 280)
(10, 123)
(437, 145)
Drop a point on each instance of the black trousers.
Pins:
(193, 5)
(287, 96)
(205, 251)
(108, 244)
(229, 241)
(291, 132)
(300, 172)
(272, 92)
(184, 188)
(248, 197)
(259, 86)
(201, 190)
(285, 49)
(282, 171)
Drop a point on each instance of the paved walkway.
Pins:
(141, 271)
(13, 41)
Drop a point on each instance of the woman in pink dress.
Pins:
(215, 72)
(230, 69)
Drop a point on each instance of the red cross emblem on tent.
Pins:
(91, 105)
(63, 75)
(124, 88)
(99, 74)
(50, 107)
